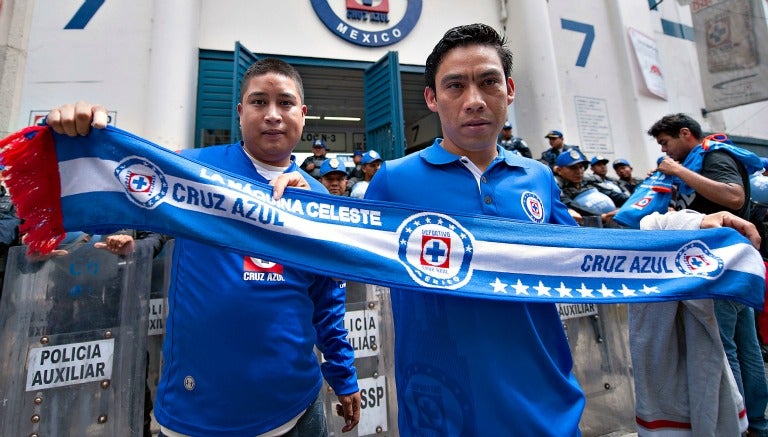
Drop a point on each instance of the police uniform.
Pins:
(239, 339)
(627, 185)
(358, 190)
(315, 172)
(517, 144)
(467, 366)
(607, 185)
(584, 198)
(550, 155)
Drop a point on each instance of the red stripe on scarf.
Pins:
(32, 177)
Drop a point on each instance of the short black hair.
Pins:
(271, 65)
(465, 35)
(672, 124)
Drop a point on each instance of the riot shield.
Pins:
(370, 329)
(598, 336)
(158, 311)
(73, 333)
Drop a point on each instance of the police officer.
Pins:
(609, 186)
(513, 143)
(333, 175)
(556, 146)
(580, 198)
(371, 163)
(312, 164)
(624, 172)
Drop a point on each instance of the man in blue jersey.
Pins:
(240, 333)
(714, 180)
(466, 366)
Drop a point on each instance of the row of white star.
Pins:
(542, 290)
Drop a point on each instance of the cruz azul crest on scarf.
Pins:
(144, 183)
(696, 259)
(436, 250)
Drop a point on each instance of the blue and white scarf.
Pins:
(112, 179)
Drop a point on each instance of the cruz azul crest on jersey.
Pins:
(643, 201)
(696, 259)
(144, 183)
(261, 270)
(436, 250)
(533, 206)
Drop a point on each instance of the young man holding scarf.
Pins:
(240, 332)
(467, 366)
(714, 179)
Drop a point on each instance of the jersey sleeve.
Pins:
(329, 296)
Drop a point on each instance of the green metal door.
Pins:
(384, 125)
(243, 58)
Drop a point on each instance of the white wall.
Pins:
(15, 19)
(139, 58)
(106, 62)
(290, 27)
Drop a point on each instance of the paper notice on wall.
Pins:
(594, 126)
(732, 47)
(647, 55)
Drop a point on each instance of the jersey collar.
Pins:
(437, 155)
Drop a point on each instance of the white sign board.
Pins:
(574, 310)
(731, 45)
(157, 316)
(647, 54)
(336, 141)
(363, 332)
(373, 406)
(594, 128)
(69, 364)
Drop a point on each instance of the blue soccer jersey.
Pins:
(469, 366)
(240, 332)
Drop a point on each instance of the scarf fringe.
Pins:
(32, 177)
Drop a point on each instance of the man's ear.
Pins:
(430, 98)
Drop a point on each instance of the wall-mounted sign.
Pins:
(370, 23)
(336, 141)
(647, 54)
(594, 126)
(731, 45)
